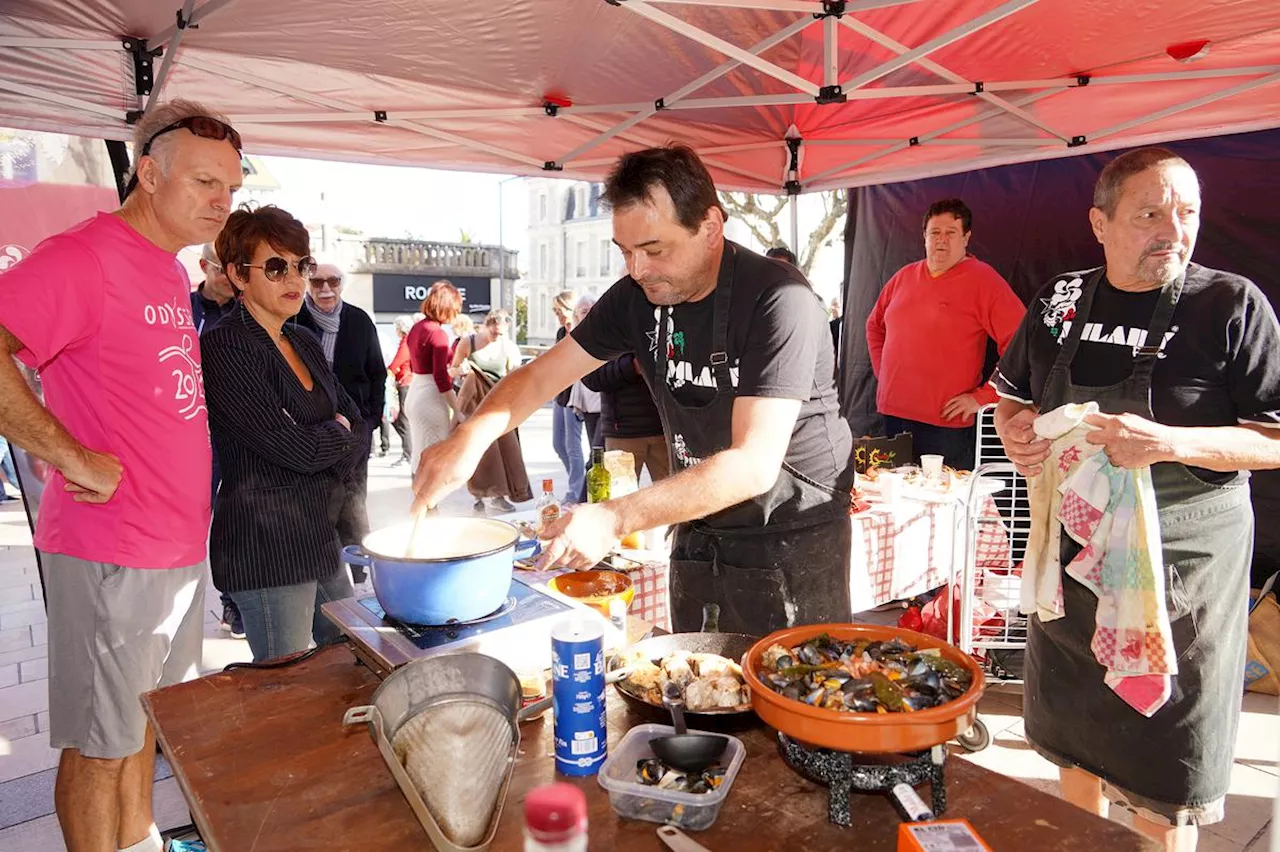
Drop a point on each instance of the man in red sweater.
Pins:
(927, 337)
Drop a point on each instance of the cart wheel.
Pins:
(976, 738)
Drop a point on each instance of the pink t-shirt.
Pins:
(105, 316)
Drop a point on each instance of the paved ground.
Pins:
(26, 761)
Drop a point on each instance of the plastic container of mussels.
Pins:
(633, 800)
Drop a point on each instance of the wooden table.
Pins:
(265, 764)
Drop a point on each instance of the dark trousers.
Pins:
(401, 423)
(956, 446)
(384, 436)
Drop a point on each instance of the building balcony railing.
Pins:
(435, 258)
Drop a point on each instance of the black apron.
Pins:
(1182, 755)
(775, 561)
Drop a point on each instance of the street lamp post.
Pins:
(506, 295)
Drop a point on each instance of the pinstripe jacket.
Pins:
(284, 458)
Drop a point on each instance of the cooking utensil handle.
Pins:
(526, 548)
(357, 715)
(678, 841)
(525, 713)
(675, 703)
(711, 618)
(354, 554)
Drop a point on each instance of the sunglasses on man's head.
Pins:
(200, 125)
(333, 282)
(275, 268)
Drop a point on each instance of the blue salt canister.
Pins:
(577, 669)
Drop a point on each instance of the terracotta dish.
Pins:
(862, 732)
(596, 589)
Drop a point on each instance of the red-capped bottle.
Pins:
(555, 819)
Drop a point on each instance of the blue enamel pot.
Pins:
(459, 569)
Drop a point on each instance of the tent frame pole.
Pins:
(184, 21)
(1203, 100)
(62, 100)
(333, 103)
(999, 13)
(706, 39)
(947, 74)
(675, 97)
(58, 43)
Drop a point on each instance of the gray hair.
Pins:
(158, 119)
(404, 323)
(585, 303)
(1106, 192)
(496, 317)
(210, 254)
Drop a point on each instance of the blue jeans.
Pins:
(283, 620)
(566, 438)
(6, 464)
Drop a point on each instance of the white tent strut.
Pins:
(184, 19)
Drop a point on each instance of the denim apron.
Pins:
(774, 561)
(1182, 755)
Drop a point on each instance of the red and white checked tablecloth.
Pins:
(909, 547)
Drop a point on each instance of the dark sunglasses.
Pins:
(334, 282)
(276, 268)
(200, 125)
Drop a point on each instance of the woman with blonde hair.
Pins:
(566, 427)
(431, 398)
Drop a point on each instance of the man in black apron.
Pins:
(1181, 360)
(736, 351)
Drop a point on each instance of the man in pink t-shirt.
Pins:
(103, 312)
(927, 338)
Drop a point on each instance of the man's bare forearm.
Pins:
(1226, 448)
(723, 480)
(23, 420)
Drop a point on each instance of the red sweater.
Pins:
(429, 353)
(928, 336)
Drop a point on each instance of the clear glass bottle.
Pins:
(597, 478)
(548, 506)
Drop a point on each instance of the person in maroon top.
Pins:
(431, 399)
(401, 374)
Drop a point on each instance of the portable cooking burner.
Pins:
(843, 772)
(518, 632)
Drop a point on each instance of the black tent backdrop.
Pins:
(1031, 222)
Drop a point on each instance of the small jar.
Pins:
(555, 819)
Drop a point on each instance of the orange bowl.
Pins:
(862, 732)
(596, 589)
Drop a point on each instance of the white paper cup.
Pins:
(932, 466)
(891, 485)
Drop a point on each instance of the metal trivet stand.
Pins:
(841, 773)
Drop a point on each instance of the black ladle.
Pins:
(686, 751)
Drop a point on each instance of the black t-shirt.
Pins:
(1220, 362)
(779, 346)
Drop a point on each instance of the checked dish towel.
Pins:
(1111, 512)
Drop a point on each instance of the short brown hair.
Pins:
(443, 302)
(246, 229)
(677, 169)
(1106, 192)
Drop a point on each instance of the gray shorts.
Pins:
(115, 633)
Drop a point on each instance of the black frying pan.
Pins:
(730, 645)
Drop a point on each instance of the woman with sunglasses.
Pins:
(287, 438)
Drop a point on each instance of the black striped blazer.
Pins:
(284, 458)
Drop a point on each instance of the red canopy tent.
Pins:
(777, 95)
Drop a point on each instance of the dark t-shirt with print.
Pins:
(1218, 365)
(779, 345)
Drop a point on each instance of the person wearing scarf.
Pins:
(350, 343)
